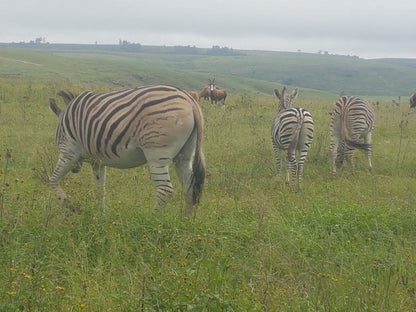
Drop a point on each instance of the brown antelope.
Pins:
(195, 95)
(204, 93)
(216, 94)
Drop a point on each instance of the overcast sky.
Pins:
(365, 28)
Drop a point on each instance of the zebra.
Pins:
(216, 94)
(412, 100)
(128, 128)
(352, 119)
(292, 130)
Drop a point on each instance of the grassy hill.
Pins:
(242, 72)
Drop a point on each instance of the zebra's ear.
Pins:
(52, 104)
(280, 95)
(67, 96)
(295, 93)
(276, 92)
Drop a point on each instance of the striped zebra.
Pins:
(292, 131)
(352, 119)
(128, 128)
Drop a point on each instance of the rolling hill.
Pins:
(190, 68)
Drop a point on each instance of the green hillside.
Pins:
(239, 72)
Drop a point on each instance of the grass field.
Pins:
(340, 244)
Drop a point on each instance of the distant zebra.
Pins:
(216, 94)
(413, 100)
(292, 131)
(352, 119)
(127, 128)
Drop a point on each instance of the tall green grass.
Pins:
(339, 244)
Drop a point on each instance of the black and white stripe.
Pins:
(292, 131)
(128, 128)
(352, 119)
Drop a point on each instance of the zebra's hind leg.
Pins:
(99, 179)
(183, 165)
(368, 151)
(63, 166)
(340, 158)
(302, 158)
(278, 155)
(291, 166)
(334, 153)
(348, 155)
(159, 174)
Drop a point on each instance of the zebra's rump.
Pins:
(288, 123)
(354, 108)
(352, 119)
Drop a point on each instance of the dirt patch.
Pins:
(20, 61)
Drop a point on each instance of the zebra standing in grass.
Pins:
(352, 119)
(128, 128)
(292, 131)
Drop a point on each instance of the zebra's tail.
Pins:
(295, 137)
(347, 138)
(198, 166)
(359, 145)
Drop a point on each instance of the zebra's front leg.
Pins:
(99, 172)
(63, 166)
(161, 180)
